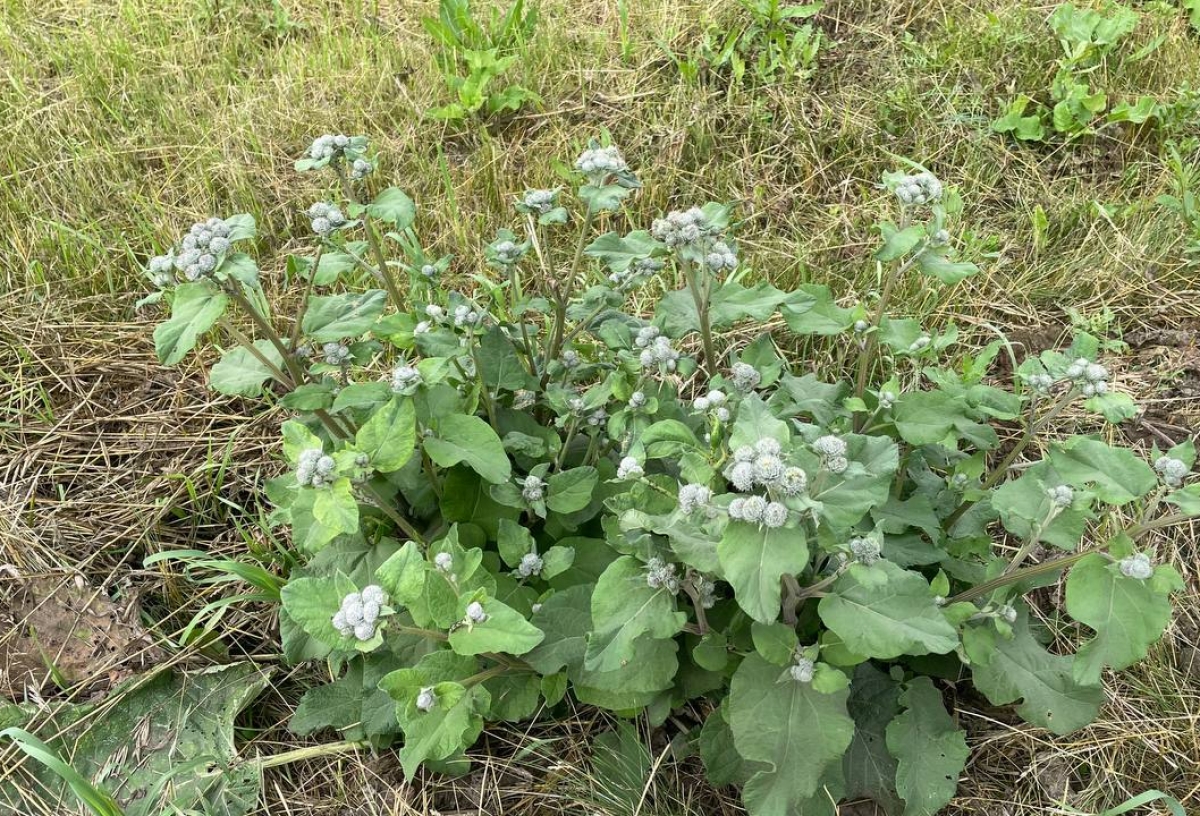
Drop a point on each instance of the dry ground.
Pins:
(125, 120)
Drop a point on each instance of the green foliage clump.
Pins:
(1076, 107)
(472, 56)
(505, 494)
(770, 38)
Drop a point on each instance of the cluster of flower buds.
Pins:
(475, 614)
(920, 344)
(597, 418)
(720, 258)
(832, 450)
(530, 566)
(1061, 495)
(359, 613)
(683, 228)
(919, 188)
(325, 218)
(635, 274)
(426, 699)
(758, 464)
(599, 162)
(1137, 566)
(714, 401)
(1172, 471)
(706, 591)
(657, 351)
(887, 399)
(940, 237)
(802, 670)
(533, 489)
(1040, 383)
(444, 562)
(1092, 378)
(360, 168)
(201, 249)
(637, 400)
(464, 315)
(757, 510)
(538, 202)
(160, 270)
(430, 272)
(328, 145)
(693, 497)
(335, 354)
(661, 575)
(507, 253)
(865, 549)
(569, 358)
(630, 468)
(405, 379)
(1008, 612)
(314, 468)
(861, 326)
(745, 377)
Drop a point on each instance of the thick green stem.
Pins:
(372, 239)
(303, 307)
(310, 752)
(700, 296)
(246, 343)
(871, 343)
(268, 331)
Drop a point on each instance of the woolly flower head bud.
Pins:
(159, 270)
(630, 468)
(887, 399)
(661, 575)
(532, 489)
(741, 476)
(793, 482)
(919, 188)
(720, 258)
(1040, 383)
(1008, 612)
(749, 509)
(860, 326)
(683, 228)
(864, 549)
(837, 464)
(430, 272)
(314, 468)
(636, 274)
(475, 613)
(745, 377)
(940, 238)
(597, 418)
(324, 147)
(637, 399)
(706, 591)
(1173, 471)
(802, 670)
(359, 613)
(335, 353)
(426, 699)
(531, 564)
(1137, 566)
(830, 446)
(920, 344)
(569, 358)
(768, 469)
(745, 453)
(444, 561)
(1092, 378)
(325, 218)
(405, 379)
(660, 354)
(599, 162)
(1061, 495)
(694, 497)
(774, 515)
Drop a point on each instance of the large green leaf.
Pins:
(241, 374)
(1019, 668)
(1117, 475)
(390, 435)
(624, 607)
(1127, 614)
(505, 631)
(884, 611)
(793, 729)
(470, 440)
(754, 560)
(571, 490)
(929, 748)
(565, 618)
(868, 768)
(393, 206)
(451, 726)
(195, 309)
(336, 317)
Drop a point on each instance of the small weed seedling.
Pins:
(770, 37)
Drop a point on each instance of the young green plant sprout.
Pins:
(507, 493)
